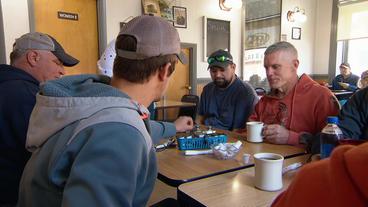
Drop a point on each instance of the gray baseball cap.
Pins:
(40, 41)
(155, 37)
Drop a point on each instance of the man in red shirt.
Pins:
(295, 104)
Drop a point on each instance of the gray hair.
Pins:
(16, 54)
(281, 46)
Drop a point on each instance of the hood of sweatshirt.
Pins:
(69, 99)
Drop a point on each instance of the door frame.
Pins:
(192, 61)
(101, 23)
(2, 38)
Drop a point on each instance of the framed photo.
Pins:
(166, 10)
(216, 36)
(151, 7)
(180, 16)
(296, 33)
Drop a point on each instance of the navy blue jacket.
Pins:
(352, 80)
(353, 117)
(17, 99)
(227, 108)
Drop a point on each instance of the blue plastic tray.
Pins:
(205, 142)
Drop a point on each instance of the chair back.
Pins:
(189, 110)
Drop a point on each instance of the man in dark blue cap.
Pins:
(36, 58)
(227, 102)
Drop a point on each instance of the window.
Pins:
(262, 29)
(352, 36)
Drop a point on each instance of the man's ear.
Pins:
(296, 63)
(163, 73)
(32, 57)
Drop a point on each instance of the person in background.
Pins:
(340, 180)
(90, 135)
(346, 80)
(353, 117)
(36, 58)
(227, 102)
(295, 105)
(159, 129)
(363, 81)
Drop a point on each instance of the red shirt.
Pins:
(304, 109)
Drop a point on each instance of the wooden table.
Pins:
(174, 168)
(232, 189)
(163, 104)
(342, 94)
(167, 104)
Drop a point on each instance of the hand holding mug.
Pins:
(276, 134)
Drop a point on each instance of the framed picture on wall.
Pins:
(296, 33)
(151, 7)
(216, 36)
(180, 16)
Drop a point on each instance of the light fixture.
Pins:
(227, 5)
(297, 15)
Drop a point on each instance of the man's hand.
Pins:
(183, 123)
(344, 85)
(275, 134)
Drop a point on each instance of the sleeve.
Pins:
(244, 107)
(161, 130)
(352, 87)
(20, 105)
(109, 169)
(201, 108)
(353, 118)
(335, 84)
(254, 116)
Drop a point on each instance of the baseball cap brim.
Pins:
(65, 58)
(219, 64)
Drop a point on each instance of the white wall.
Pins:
(313, 47)
(117, 11)
(322, 34)
(16, 22)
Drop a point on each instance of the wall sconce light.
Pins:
(297, 15)
(227, 5)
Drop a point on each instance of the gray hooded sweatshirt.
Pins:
(91, 146)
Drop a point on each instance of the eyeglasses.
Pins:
(219, 59)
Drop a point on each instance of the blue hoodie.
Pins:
(91, 146)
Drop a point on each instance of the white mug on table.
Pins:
(268, 171)
(254, 131)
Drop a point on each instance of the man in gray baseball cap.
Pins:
(101, 143)
(36, 58)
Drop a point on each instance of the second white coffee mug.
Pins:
(268, 171)
(254, 131)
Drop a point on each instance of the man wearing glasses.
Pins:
(227, 102)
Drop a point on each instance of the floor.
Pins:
(160, 192)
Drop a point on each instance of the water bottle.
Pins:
(330, 136)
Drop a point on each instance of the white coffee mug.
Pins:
(254, 131)
(268, 171)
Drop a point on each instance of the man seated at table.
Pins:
(346, 80)
(353, 117)
(90, 135)
(165, 129)
(227, 102)
(340, 180)
(295, 104)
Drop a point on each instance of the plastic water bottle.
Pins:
(330, 136)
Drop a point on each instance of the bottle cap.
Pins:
(332, 120)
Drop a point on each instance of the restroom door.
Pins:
(78, 37)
